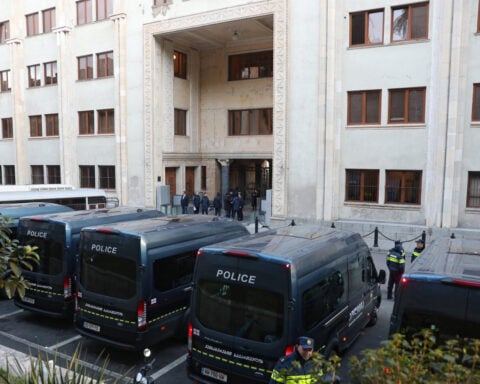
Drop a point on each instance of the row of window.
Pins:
(35, 74)
(51, 174)
(48, 22)
(401, 187)
(105, 124)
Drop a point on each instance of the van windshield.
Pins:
(250, 313)
(108, 275)
(51, 255)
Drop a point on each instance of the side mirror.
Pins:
(382, 276)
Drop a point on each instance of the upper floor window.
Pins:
(361, 185)
(410, 22)
(364, 107)
(180, 122)
(106, 177)
(34, 75)
(50, 72)
(84, 12)
(48, 18)
(473, 190)
(7, 128)
(37, 174)
(9, 174)
(250, 65)
(53, 174)
(85, 67)
(104, 9)
(87, 176)
(476, 103)
(51, 123)
(35, 126)
(250, 122)
(403, 187)
(106, 121)
(105, 64)
(179, 64)
(32, 24)
(406, 105)
(366, 27)
(85, 123)
(5, 81)
(4, 31)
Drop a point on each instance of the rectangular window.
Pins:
(179, 64)
(180, 122)
(37, 174)
(105, 64)
(410, 22)
(403, 187)
(51, 123)
(48, 17)
(53, 174)
(7, 128)
(364, 107)
(34, 75)
(32, 24)
(5, 81)
(85, 67)
(85, 123)
(366, 28)
(173, 271)
(473, 190)
(106, 121)
(106, 176)
(252, 65)
(407, 105)
(9, 172)
(87, 176)
(35, 126)
(476, 103)
(104, 9)
(203, 178)
(361, 185)
(84, 12)
(250, 122)
(4, 31)
(50, 73)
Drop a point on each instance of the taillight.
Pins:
(289, 349)
(190, 335)
(404, 280)
(67, 288)
(142, 315)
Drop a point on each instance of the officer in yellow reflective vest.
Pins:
(396, 267)
(418, 249)
(296, 368)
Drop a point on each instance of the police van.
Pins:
(441, 291)
(51, 283)
(135, 279)
(253, 297)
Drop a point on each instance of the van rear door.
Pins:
(239, 316)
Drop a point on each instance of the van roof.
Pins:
(306, 246)
(17, 210)
(445, 257)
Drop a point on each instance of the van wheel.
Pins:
(331, 350)
(373, 317)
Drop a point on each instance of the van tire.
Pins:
(331, 349)
(373, 317)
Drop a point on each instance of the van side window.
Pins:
(355, 274)
(322, 299)
(174, 271)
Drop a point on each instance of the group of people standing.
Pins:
(232, 203)
(396, 264)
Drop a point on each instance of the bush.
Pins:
(420, 359)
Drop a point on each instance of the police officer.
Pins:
(418, 249)
(396, 267)
(296, 367)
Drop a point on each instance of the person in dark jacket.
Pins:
(184, 200)
(396, 267)
(238, 207)
(196, 204)
(205, 204)
(254, 196)
(228, 203)
(418, 249)
(297, 366)
(217, 204)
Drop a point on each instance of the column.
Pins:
(225, 163)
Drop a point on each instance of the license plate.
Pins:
(92, 327)
(214, 374)
(28, 300)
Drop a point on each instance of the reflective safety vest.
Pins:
(396, 260)
(290, 370)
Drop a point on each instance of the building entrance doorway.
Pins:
(250, 174)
